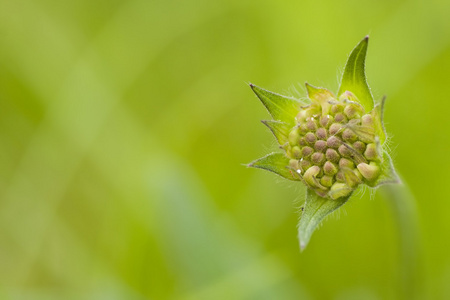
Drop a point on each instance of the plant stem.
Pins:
(404, 208)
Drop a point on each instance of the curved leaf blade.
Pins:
(279, 129)
(354, 77)
(277, 163)
(315, 210)
(281, 108)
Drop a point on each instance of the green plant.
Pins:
(333, 144)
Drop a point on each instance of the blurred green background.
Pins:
(124, 125)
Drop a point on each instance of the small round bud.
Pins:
(346, 163)
(305, 164)
(369, 172)
(352, 111)
(320, 146)
(337, 108)
(325, 121)
(333, 142)
(340, 118)
(371, 152)
(302, 142)
(332, 155)
(294, 136)
(318, 158)
(307, 151)
(349, 136)
(293, 163)
(329, 168)
(311, 125)
(367, 120)
(339, 190)
(321, 133)
(344, 151)
(326, 180)
(359, 146)
(296, 152)
(310, 138)
(335, 128)
(303, 128)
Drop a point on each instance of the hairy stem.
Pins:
(404, 209)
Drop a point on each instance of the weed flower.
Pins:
(333, 143)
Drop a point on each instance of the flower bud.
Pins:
(311, 125)
(310, 138)
(346, 163)
(344, 151)
(332, 155)
(293, 163)
(326, 180)
(296, 152)
(367, 120)
(335, 128)
(326, 121)
(333, 142)
(369, 172)
(349, 136)
(371, 152)
(305, 164)
(329, 168)
(321, 133)
(352, 111)
(339, 190)
(359, 146)
(310, 176)
(340, 118)
(307, 151)
(318, 158)
(320, 146)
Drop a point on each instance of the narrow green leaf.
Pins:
(281, 108)
(314, 211)
(279, 129)
(277, 163)
(354, 77)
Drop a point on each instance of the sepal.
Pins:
(354, 77)
(281, 108)
(277, 163)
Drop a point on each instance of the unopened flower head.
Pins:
(333, 143)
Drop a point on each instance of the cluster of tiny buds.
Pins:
(334, 148)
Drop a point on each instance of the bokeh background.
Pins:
(124, 125)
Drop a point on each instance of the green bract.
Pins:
(332, 144)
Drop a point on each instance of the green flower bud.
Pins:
(305, 164)
(371, 152)
(326, 180)
(332, 155)
(339, 190)
(340, 118)
(326, 121)
(296, 152)
(369, 172)
(335, 128)
(307, 151)
(311, 125)
(346, 163)
(318, 158)
(293, 163)
(310, 138)
(320, 146)
(359, 146)
(329, 168)
(344, 151)
(333, 142)
(349, 136)
(321, 133)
